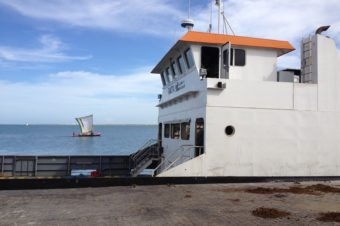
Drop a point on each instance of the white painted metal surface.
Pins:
(281, 128)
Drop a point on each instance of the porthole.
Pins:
(229, 130)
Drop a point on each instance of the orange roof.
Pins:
(282, 47)
(220, 39)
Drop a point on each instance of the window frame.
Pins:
(167, 130)
(181, 66)
(169, 75)
(188, 50)
(173, 133)
(244, 57)
(163, 79)
(173, 69)
(233, 57)
(185, 136)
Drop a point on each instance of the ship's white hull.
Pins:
(267, 143)
(278, 128)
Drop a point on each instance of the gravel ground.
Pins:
(208, 204)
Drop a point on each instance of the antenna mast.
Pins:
(225, 21)
(189, 9)
(188, 23)
(210, 22)
(218, 4)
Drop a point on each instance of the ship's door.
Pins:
(226, 54)
(199, 136)
(160, 128)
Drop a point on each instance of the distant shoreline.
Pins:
(77, 125)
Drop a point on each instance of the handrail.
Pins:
(178, 157)
(143, 148)
(181, 157)
(163, 161)
(148, 143)
(148, 151)
(144, 153)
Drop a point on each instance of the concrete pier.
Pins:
(205, 204)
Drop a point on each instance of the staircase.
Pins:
(144, 157)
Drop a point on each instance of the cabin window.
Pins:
(180, 63)
(166, 130)
(168, 75)
(174, 69)
(163, 79)
(210, 61)
(188, 58)
(225, 57)
(185, 130)
(231, 57)
(175, 130)
(239, 55)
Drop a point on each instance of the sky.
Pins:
(61, 59)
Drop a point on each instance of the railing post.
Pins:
(100, 164)
(14, 165)
(68, 173)
(36, 166)
(3, 165)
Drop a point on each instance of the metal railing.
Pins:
(62, 166)
(179, 154)
(148, 151)
(148, 143)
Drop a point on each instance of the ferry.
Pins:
(226, 112)
(225, 109)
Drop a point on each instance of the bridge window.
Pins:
(175, 130)
(180, 63)
(174, 69)
(163, 79)
(185, 130)
(166, 130)
(168, 75)
(239, 55)
(210, 61)
(188, 58)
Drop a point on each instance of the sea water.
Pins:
(58, 139)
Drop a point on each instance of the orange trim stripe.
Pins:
(219, 39)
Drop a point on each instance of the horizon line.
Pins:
(65, 124)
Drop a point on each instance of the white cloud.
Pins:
(65, 95)
(151, 16)
(51, 51)
(278, 19)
